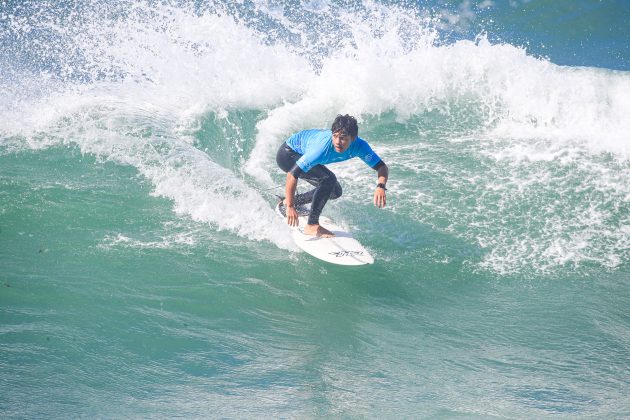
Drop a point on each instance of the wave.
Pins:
(137, 82)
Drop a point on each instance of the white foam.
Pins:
(511, 95)
(155, 70)
(174, 65)
(387, 59)
(122, 241)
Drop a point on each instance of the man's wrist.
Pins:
(381, 185)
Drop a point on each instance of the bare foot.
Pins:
(317, 230)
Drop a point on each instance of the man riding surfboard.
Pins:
(304, 155)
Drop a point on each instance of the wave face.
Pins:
(137, 170)
(539, 152)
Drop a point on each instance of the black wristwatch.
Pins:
(381, 185)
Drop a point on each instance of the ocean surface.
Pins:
(144, 273)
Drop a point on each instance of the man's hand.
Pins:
(292, 216)
(379, 197)
(379, 193)
(289, 190)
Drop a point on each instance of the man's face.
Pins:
(341, 141)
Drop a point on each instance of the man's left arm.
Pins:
(368, 156)
(379, 193)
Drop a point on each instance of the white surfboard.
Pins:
(341, 249)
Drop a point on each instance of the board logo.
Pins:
(346, 253)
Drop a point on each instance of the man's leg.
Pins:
(317, 176)
(326, 187)
(324, 181)
(307, 197)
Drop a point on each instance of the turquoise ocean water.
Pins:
(144, 274)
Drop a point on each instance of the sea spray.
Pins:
(135, 82)
(141, 262)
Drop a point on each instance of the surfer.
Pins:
(303, 156)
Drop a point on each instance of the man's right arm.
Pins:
(289, 194)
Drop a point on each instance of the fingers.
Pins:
(379, 198)
(292, 217)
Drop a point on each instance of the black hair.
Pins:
(346, 124)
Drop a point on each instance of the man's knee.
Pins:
(335, 188)
(329, 181)
(336, 192)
